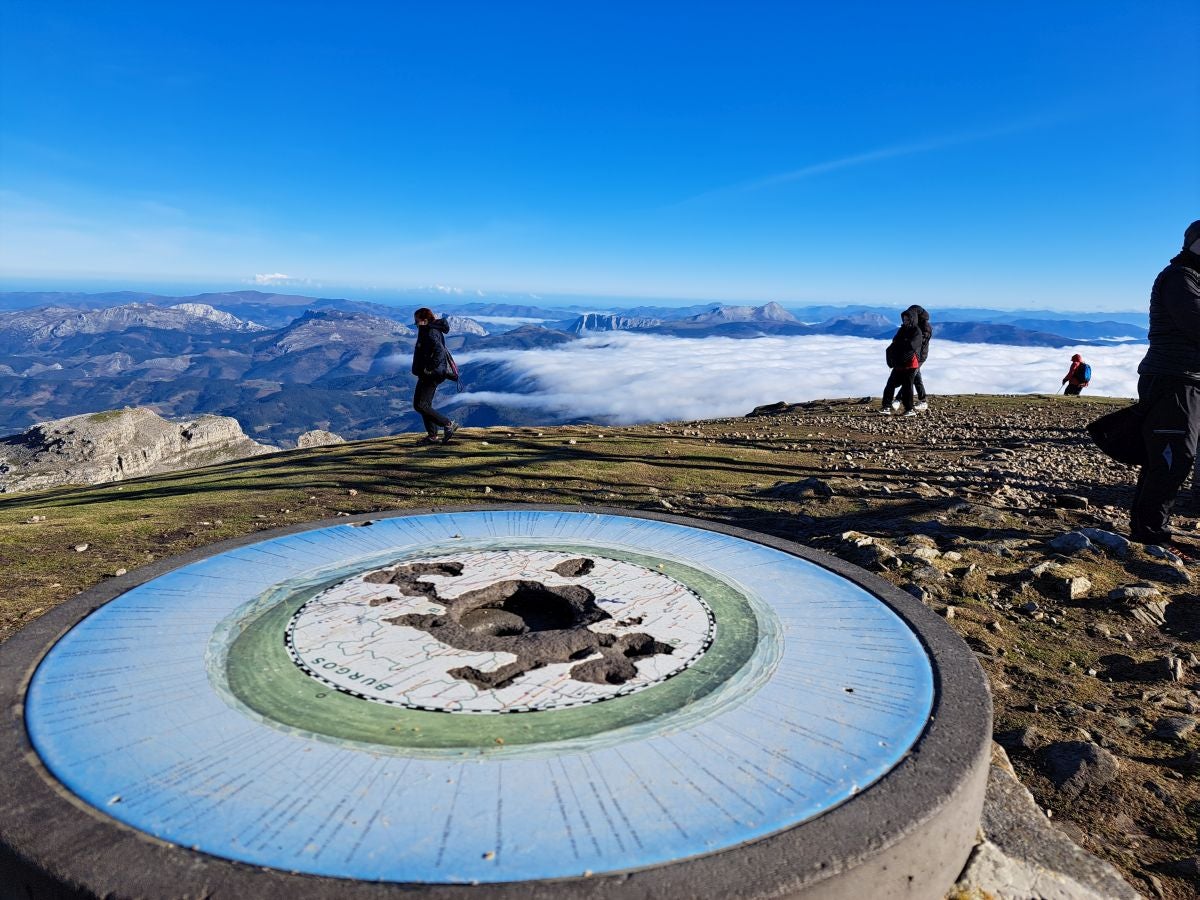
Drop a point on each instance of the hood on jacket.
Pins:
(1191, 237)
(440, 324)
(1187, 259)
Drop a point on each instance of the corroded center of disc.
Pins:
(500, 631)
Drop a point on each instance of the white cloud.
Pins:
(625, 377)
(274, 278)
(510, 320)
(278, 279)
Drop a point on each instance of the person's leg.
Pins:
(919, 384)
(889, 389)
(1073, 390)
(906, 388)
(1170, 432)
(423, 403)
(422, 400)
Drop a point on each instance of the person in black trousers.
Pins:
(431, 365)
(904, 358)
(926, 336)
(1169, 390)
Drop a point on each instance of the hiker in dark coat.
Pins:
(431, 365)
(1169, 390)
(1076, 378)
(926, 337)
(904, 357)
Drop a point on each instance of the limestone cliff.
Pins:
(110, 446)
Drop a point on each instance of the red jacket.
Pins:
(1075, 374)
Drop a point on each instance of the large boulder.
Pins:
(95, 448)
(318, 438)
(1022, 855)
(1078, 766)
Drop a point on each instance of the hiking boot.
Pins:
(921, 406)
(429, 439)
(1180, 553)
(1167, 548)
(885, 411)
(449, 432)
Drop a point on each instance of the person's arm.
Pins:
(1182, 295)
(437, 352)
(915, 340)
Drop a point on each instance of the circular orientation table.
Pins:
(491, 701)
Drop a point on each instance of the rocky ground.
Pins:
(995, 511)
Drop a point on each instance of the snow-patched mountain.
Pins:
(220, 318)
(465, 325)
(55, 322)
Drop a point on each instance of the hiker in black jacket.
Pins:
(431, 365)
(904, 358)
(1169, 390)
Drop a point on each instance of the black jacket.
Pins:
(430, 358)
(919, 317)
(907, 343)
(1175, 321)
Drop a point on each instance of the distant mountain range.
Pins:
(282, 364)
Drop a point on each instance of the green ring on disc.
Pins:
(255, 671)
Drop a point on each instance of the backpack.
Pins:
(1119, 434)
(1085, 374)
(452, 373)
(900, 357)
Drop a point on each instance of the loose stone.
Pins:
(1174, 728)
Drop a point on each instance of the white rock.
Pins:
(96, 448)
(318, 438)
(1071, 542)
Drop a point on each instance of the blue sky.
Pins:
(1019, 154)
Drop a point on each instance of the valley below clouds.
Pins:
(626, 377)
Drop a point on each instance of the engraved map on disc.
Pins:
(510, 638)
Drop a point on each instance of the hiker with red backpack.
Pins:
(1077, 377)
(903, 357)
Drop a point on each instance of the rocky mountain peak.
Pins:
(609, 322)
(769, 312)
(110, 446)
(465, 325)
(204, 312)
(328, 326)
(54, 322)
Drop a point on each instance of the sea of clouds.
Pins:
(626, 377)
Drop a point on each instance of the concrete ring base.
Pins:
(907, 835)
